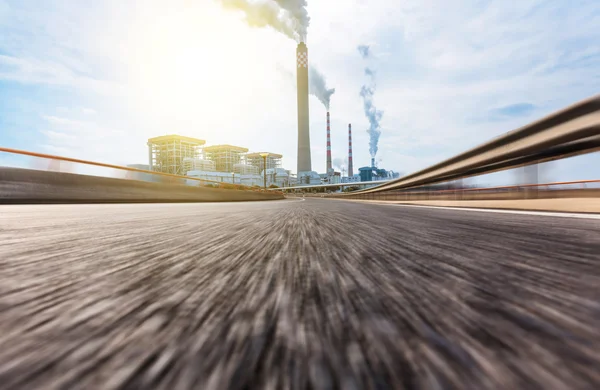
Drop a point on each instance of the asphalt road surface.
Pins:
(319, 294)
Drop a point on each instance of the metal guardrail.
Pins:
(569, 132)
(97, 164)
(508, 188)
(528, 190)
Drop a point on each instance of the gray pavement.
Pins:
(296, 294)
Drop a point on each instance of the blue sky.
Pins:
(96, 79)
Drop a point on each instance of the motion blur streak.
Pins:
(296, 294)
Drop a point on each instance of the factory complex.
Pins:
(306, 176)
(186, 156)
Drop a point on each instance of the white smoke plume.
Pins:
(300, 18)
(340, 163)
(318, 86)
(289, 17)
(374, 115)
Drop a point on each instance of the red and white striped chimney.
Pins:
(329, 167)
(350, 168)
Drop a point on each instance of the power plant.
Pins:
(188, 156)
(167, 153)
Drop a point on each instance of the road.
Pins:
(296, 294)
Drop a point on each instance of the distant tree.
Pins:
(273, 186)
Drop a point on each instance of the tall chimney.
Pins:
(304, 160)
(329, 167)
(372, 162)
(350, 168)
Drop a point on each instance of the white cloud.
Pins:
(35, 71)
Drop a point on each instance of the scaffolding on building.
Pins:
(197, 164)
(256, 159)
(245, 169)
(225, 157)
(167, 153)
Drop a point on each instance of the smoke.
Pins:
(367, 92)
(364, 51)
(318, 86)
(299, 15)
(287, 74)
(373, 115)
(289, 17)
(339, 163)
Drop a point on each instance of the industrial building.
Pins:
(182, 155)
(373, 173)
(351, 179)
(331, 178)
(245, 169)
(167, 153)
(199, 164)
(273, 160)
(225, 157)
(228, 177)
(278, 176)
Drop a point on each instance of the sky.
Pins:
(96, 79)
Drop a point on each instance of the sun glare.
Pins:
(190, 62)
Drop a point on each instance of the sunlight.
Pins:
(190, 62)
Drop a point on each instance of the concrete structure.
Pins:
(350, 167)
(255, 159)
(225, 157)
(304, 159)
(167, 153)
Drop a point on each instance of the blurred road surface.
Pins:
(296, 294)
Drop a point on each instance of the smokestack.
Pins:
(350, 168)
(329, 167)
(372, 162)
(304, 160)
